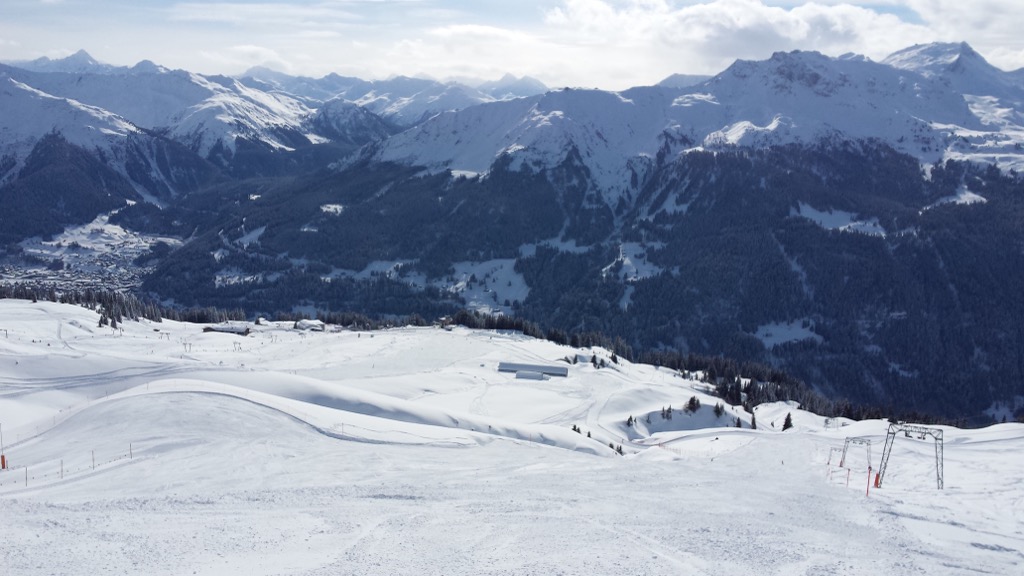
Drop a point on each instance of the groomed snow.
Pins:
(406, 452)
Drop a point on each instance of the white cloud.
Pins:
(604, 43)
(248, 55)
(256, 14)
(710, 35)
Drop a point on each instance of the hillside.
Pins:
(855, 223)
(405, 450)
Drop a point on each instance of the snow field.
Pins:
(405, 451)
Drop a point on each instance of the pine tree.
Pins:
(753, 421)
(788, 423)
(693, 405)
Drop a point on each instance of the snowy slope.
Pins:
(159, 449)
(233, 111)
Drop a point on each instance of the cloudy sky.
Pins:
(611, 44)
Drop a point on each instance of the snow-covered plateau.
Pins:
(158, 448)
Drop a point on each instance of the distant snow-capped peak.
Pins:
(77, 63)
(963, 68)
(509, 86)
(935, 59)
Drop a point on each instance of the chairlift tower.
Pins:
(855, 440)
(908, 430)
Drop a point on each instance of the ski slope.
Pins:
(405, 451)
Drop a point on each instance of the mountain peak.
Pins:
(148, 67)
(786, 70)
(937, 59)
(958, 64)
(510, 86)
(78, 63)
(82, 57)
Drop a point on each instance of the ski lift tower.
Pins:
(922, 432)
(855, 440)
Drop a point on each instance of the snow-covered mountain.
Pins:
(966, 71)
(936, 101)
(211, 114)
(155, 166)
(509, 86)
(797, 97)
(28, 113)
(203, 112)
(995, 97)
(609, 210)
(341, 121)
(402, 100)
(408, 101)
(309, 90)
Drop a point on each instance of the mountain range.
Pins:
(858, 223)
